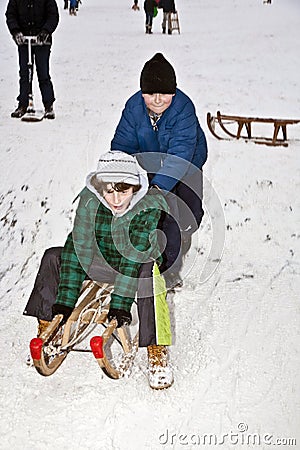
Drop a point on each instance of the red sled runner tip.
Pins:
(36, 345)
(97, 346)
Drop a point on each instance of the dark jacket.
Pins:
(32, 16)
(169, 151)
(149, 6)
(167, 5)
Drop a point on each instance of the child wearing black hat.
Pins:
(159, 125)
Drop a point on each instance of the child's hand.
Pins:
(66, 311)
(122, 317)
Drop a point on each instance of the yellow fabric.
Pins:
(162, 315)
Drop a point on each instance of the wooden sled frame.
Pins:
(246, 122)
(49, 350)
(175, 22)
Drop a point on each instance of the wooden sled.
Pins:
(114, 349)
(175, 22)
(234, 131)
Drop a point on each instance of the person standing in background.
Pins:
(33, 18)
(135, 6)
(149, 6)
(168, 7)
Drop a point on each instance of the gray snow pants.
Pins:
(45, 289)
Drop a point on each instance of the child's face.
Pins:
(118, 201)
(158, 103)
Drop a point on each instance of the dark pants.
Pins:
(149, 19)
(41, 56)
(167, 18)
(186, 212)
(45, 289)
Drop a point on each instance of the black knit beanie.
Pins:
(158, 76)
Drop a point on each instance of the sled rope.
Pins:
(85, 310)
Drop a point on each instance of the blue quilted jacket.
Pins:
(169, 151)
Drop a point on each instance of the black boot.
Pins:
(164, 30)
(49, 113)
(19, 112)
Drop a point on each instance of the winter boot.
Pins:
(43, 324)
(169, 31)
(160, 374)
(19, 112)
(164, 30)
(49, 113)
(150, 30)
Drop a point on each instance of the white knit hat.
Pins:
(118, 167)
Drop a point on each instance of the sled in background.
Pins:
(114, 350)
(175, 22)
(232, 126)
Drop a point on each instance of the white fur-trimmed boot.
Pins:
(160, 374)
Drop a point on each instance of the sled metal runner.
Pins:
(240, 123)
(114, 350)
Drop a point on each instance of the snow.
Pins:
(236, 324)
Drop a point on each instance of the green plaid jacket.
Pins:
(123, 243)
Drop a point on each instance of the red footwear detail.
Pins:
(97, 346)
(36, 345)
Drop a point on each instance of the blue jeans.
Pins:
(149, 18)
(41, 56)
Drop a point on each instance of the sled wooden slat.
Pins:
(102, 317)
(89, 296)
(92, 289)
(246, 123)
(126, 344)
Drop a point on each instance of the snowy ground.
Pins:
(236, 349)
